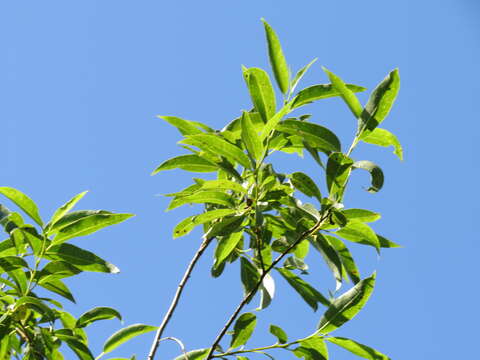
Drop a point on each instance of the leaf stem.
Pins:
(252, 292)
(176, 297)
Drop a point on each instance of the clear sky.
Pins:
(82, 81)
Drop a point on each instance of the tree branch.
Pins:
(178, 293)
(252, 292)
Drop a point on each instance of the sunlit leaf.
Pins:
(277, 59)
(96, 314)
(223, 185)
(321, 91)
(261, 92)
(23, 202)
(190, 162)
(361, 215)
(274, 120)
(382, 137)
(65, 208)
(125, 334)
(356, 348)
(279, 334)
(317, 136)
(186, 127)
(346, 306)
(303, 183)
(226, 245)
(347, 95)
(225, 226)
(312, 348)
(346, 258)
(57, 270)
(202, 197)
(88, 225)
(338, 170)
(243, 329)
(299, 75)
(385, 243)
(359, 232)
(58, 287)
(267, 291)
(198, 354)
(79, 348)
(375, 172)
(250, 138)
(331, 257)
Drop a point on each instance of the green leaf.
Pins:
(65, 208)
(9, 263)
(308, 293)
(225, 226)
(202, 197)
(88, 225)
(312, 348)
(317, 136)
(346, 257)
(80, 258)
(226, 245)
(303, 183)
(279, 334)
(375, 172)
(72, 217)
(58, 287)
(79, 348)
(385, 243)
(186, 127)
(382, 137)
(338, 171)
(193, 163)
(274, 120)
(356, 348)
(96, 314)
(359, 232)
(277, 59)
(125, 334)
(188, 224)
(381, 101)
(331, 257)
(57, 270)
(250, 138)
(216, 145)
(23, 202)
(37, 305)
(198, 354)
(243, 329)
(261, 92)
(346, 306)
(249, 276)
(267, 290)
(361, 215)
(223, 185)
(347, 95)
(321, 91)
(299, 75)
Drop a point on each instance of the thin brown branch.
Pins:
(178, 293)
(252, 292)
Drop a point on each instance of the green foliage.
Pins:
(32, 258)
(253, 212)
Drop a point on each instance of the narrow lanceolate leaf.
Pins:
(187, 225)
(250, 138)
(89, 225)
(385, 243)
(37, 305)
(186, 127)
(226, 226)
(346, 258)
(277, 59)
(23, 202)
(79, 348)
(274, 120)
(317, 136)
(312, 348)
(346, 306)
(226, 245)
(308, 293)
(375, 172)
(303, 183)
(124, 335)
(216, 145)
(347, 95)
(96, 314)
(361, 215)
(382, 137)
(9, 263)
(249, 275)
(58, 287)
(202, 197)
(358, 349)
(359, 232)
(299, 75)
(321, 91)
(381, 101)
(279, 334)
(193, 163)
(243, 329)
(261, 92)
(65, 208)
(57, 270)
(223, 185)
(198, 354)
(80, 258)
(338, 170)
(331, 257)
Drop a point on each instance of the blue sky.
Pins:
(81, 83)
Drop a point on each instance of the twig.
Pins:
(252, 292)
(182, 347)
(178, 293)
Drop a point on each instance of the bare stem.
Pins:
(252, 292)
(178, 293)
